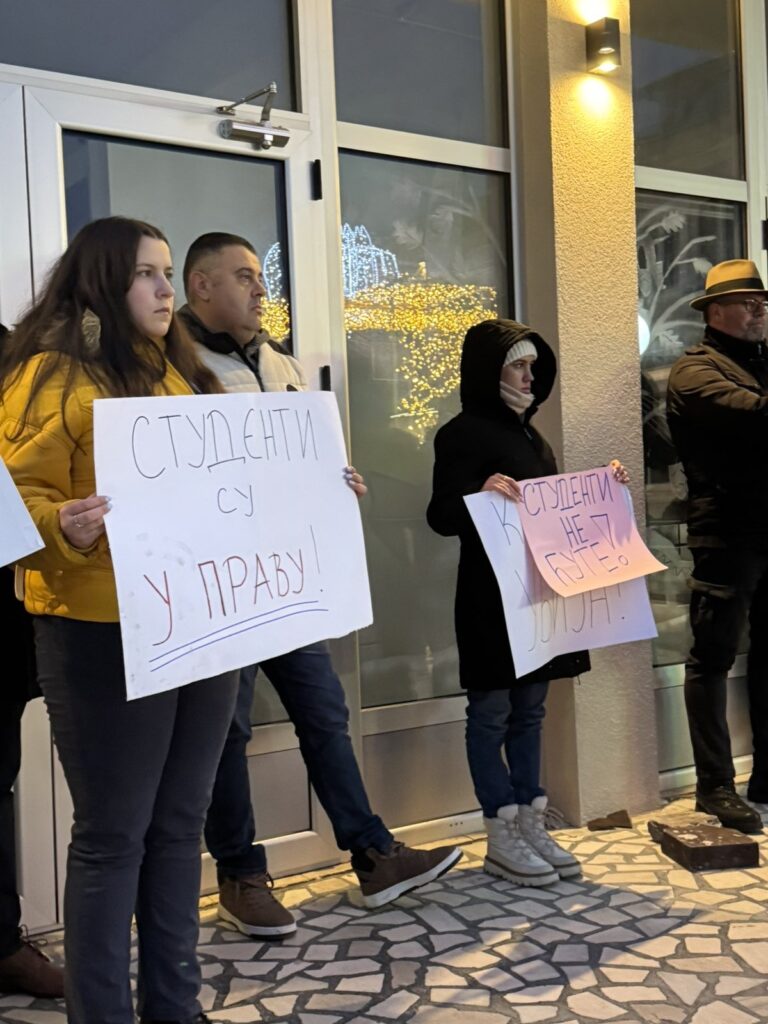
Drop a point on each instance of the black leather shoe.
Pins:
(730, 810)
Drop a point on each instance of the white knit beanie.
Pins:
(520, 350)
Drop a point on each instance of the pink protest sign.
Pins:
(581, 531)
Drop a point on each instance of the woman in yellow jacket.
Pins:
(140, 773)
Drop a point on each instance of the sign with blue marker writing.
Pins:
(542, 624)
(233, 533)
(582, 533)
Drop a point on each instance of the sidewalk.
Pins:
(637, 939)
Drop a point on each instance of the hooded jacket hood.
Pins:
(482, 358)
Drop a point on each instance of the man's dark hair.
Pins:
(206, 245)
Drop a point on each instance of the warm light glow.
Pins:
(595, 95)
(430, 319)
(276, 319)
(606, 67)
(592, 10)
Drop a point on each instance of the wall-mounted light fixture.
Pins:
(603, 46)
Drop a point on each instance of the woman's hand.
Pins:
(503, 485)
(355, 481)
(82, 521)
(620, 472)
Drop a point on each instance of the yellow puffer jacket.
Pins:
(51, 468)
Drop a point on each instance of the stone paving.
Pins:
(637, 939)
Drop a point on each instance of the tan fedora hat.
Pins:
(732, 277)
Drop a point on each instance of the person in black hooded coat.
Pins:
(507, 371)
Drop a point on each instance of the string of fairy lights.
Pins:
(428, 318)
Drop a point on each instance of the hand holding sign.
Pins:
(582, 533)
(540, 623)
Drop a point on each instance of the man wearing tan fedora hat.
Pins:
(717, 406)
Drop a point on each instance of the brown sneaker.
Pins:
(30, 972)
(385, 876)
(249, 905)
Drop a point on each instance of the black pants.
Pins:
(140, 773)
(730, 589)
(16, 684)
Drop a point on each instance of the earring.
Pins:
(91, 328)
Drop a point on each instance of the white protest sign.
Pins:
(542, 624)
(18, 534)
(233, 535)
(582, 532)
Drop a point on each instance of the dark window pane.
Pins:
(434, 67)
(678, 239)
(425, 257)
(223, 49)
(686, 86)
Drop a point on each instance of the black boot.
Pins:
(728, 807)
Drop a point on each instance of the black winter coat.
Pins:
(717, 408)
(487, 438)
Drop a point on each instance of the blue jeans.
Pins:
(314, 699)
(509, 719)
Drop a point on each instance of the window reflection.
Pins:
(686, 86)
(424, 259)
(678, 240)
(429, 66)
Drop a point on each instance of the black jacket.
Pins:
(487, 438)
(717, 408)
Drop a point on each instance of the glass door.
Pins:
(92, 156)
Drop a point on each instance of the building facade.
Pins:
(444, 161)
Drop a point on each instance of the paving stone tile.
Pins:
(242, 989)
(461, 996)
(632, 993)
(685, 986)
(493, 977)
(395, 1006)
(703, 945)
(362, 983)
(535, 994)
(532, 1014)
(442, 977)
(626, 975)
(705, 964)
(660, 1013)
(591, 1006)
(570, 953)
(580, 976)
(236, 1015)
(748, 931)
(441, 942)
(536, 970)
(344, 1002)
(730, 985)
(279, 1006)
(755, 954)
(467, 957)
(721, 1013)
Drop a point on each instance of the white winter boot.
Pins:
(531, 822)
(510, 856)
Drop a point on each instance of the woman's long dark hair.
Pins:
(91, 280)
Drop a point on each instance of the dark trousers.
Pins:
(16, 686)
(313, 696)
(508, 720)
(729, 590)
(140, 773)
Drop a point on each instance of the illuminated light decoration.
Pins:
(276, 318)
(273, 271)
(430, 319)
(364, 264)
(603, 46)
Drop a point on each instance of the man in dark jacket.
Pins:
(717, 406)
